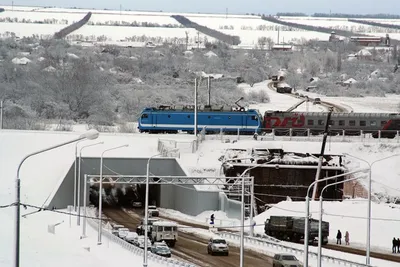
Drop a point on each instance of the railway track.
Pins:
(327, 105)
(190, 247)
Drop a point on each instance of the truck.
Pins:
(289, 228)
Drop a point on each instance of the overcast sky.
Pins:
(234, 6)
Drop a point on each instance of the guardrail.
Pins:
(138, 251)
(266, 243)
(306, 135)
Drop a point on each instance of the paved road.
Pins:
(193, 248)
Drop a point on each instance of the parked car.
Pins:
(283, 260)
(122, 232)
(153, 211)
(162, 243)
(162, 250)
(140, 242)
(131, 237)
(115, 228)
(136, 204)
(218, 245)
(317, 100)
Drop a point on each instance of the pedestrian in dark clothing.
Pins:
(339, 238)
(394, 245)
(398, 245)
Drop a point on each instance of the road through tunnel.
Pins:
(124, 195)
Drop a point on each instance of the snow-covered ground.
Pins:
(38, 184)
(249, 28)
(368, 104)
(65, 248)
(278, 101)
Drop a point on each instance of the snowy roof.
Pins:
(210, 54)
(165, 223)
(364, 53)
(72, 55)
(50, 69)
(350, 81)
(20, 61)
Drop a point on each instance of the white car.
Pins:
(115, 228)
(131, 237)
(122, 232)
(140, 242)
(160, 244)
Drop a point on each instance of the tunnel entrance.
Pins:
(124, 195)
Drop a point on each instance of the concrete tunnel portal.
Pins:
(186, 199)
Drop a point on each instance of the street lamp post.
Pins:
(91, 134)
(75, 172)
(320, 216)
(306, 219)
(101, 192)
(79, 181)
(146, 210)
(242, 213)
(146, 206)
(368, 249)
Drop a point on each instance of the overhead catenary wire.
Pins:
(106, 219)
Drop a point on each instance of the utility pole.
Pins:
(1, 114)
(195, 106)
(187, 39)
(209, 90)
(321, 156)
(339, 57)
(278, 36)
(198, 40)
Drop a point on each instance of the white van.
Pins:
(165, 231)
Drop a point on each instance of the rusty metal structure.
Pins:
(280, 175)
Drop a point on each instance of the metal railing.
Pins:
(313, 135)
(261, 242)
(136, 250)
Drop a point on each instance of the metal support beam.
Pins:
(141, 179)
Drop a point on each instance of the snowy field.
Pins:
(249, 28)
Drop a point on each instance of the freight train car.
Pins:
(350, 123)
(170, 119)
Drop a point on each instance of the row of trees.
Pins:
(85, 89)
(339, 15)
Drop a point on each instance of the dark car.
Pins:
(161, 251)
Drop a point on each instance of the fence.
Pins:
(136, 250)
(164, 146)
(271, 244)
(383, 136)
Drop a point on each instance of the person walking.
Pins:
(347, 238)
(339, 238)
(398, 245)
(394, 245)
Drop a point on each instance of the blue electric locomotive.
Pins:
(168, 119)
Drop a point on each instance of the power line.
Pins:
(198, 227)
(7, 206)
